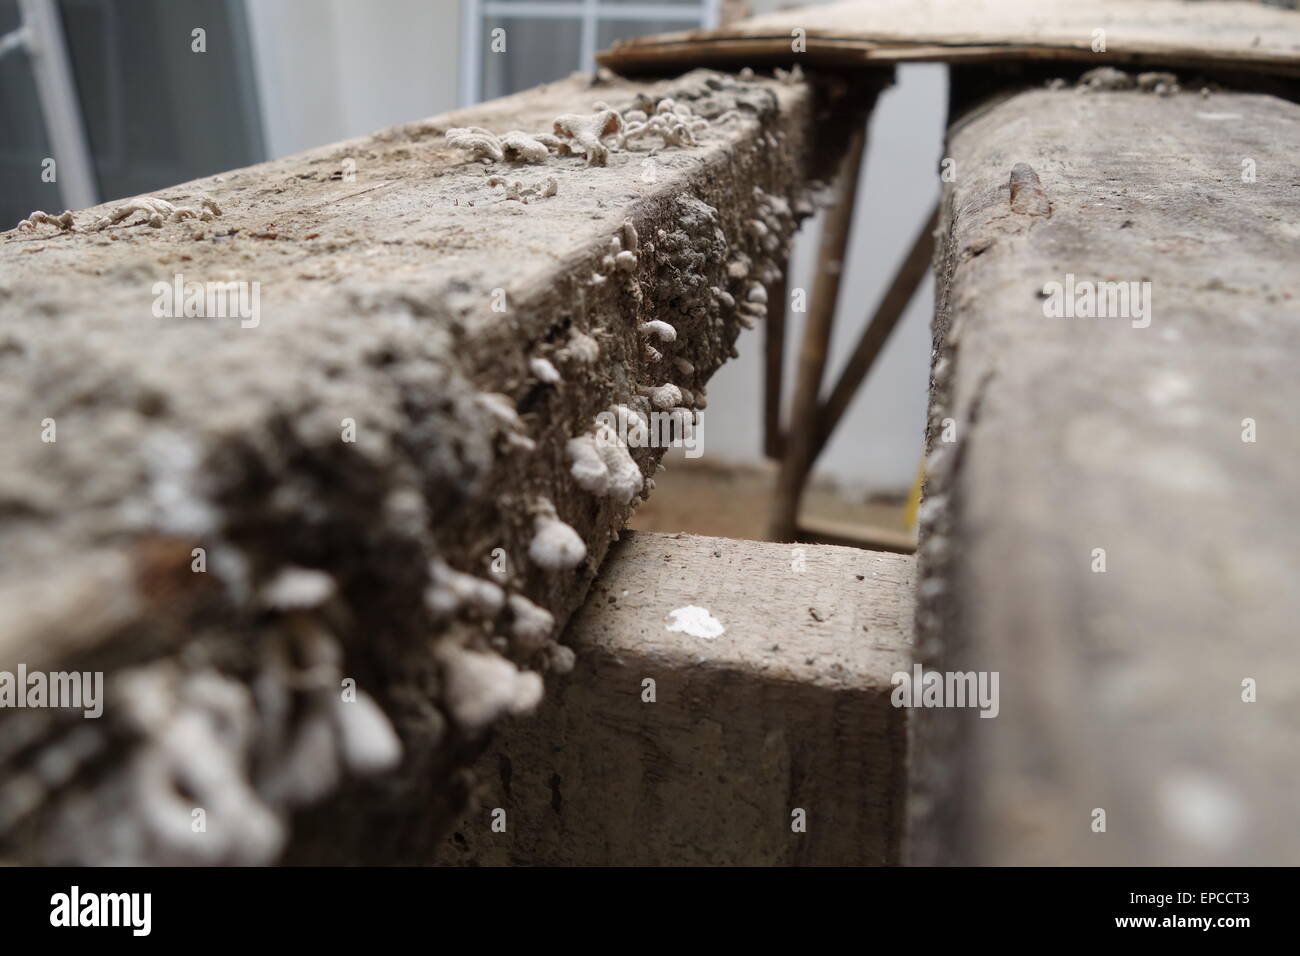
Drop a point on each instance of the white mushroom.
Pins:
(482, 687)
(451, 590)
(532, 624)
(544, 371)
(662, 330)
(555, 545)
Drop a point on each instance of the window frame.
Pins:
(589, 14)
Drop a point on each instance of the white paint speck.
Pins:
(695, 621)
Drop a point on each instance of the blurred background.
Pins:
(127, 104)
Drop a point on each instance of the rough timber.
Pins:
(774, 742)
(1112, 528)
(401, 291)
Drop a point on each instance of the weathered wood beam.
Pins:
(846, 534)
(1110, 524)
(371, 475)
(671, 744)
(774, 365)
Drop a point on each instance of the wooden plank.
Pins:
(846, 534)
(864, 33)
(1164, 448)
(400, 408)
(774, 365)
(787, 709)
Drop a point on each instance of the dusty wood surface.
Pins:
(786, 709)
(1121, 690)
(402, 291)
(867, 32)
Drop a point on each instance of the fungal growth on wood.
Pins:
(517, 147)
(674, 123)
(295, 589)
(658, 329)
(532, 625)
(246, 753)
(63, 221)
(1104, 78)
(544, 371)
(482, 145)
(517, 191)
(483, 687)
(452, 590)
(601, 462)
(587, 131)
(375, 562)
(555, 545)
(664, 397)
(580, 348)
(157, 211)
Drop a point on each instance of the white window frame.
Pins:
(41, 36)
(588, 13)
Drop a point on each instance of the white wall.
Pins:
(331, 69)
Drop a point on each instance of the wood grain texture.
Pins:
(1120, 690)
(866, 32)
(788, 708)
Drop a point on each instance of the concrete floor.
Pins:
(733, 501)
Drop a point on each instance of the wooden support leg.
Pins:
(796, 453)
(774, 344)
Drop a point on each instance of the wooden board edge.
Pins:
(675, 52)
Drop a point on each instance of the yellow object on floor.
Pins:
(914, 498)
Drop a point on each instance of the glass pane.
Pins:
(156, 111)
(535, 51)
(610, 30)
(23, 144)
